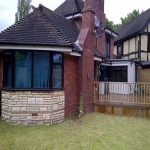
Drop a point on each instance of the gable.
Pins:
(134, 26)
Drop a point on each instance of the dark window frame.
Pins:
(108, 45)
(109, 71)
(12, 86)
(119, 50)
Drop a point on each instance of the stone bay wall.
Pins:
(33, 107)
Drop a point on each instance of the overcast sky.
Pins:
(114, 9)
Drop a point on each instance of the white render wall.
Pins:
(33, 107)
(131, 69)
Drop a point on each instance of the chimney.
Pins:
(87, 40)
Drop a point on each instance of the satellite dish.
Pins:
(97, 33)
(97, 22)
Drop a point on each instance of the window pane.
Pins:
(57, 76)
(118, 76)
(57, 58)
(124, 76)
(22, 69)
(112, 68)
(112, 77)
(8, 70)
(41, 69)
(118, 68)
(124, 68)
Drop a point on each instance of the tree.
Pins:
(130, 16)
(23, 9)
(111, 24)
(124, 20)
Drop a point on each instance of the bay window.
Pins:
(33, 69)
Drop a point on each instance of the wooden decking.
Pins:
(132, 99)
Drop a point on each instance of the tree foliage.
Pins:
(130, 16)
(111, 24)
(124, 20)
(23, 9)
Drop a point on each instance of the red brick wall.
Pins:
(86, 39)
(71, 84)
(82, 69)
(1, 69)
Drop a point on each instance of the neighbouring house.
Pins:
(125, 80)
(133, 46)
(50, 58)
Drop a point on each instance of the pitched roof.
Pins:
(70, 7)
(111, 30)
(63, 25)
(41, 27)
(134, 26)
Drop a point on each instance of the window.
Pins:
(114, 73)
(108, 45)
(118, 73)
(33, 69)
(8, 69)
(119, 51)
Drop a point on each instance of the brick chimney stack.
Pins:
(87, 41)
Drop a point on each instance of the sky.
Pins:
(114, 9)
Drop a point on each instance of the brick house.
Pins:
(50, 58)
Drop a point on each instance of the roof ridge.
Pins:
(134, 18)
(56, 13)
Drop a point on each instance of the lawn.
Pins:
(93, 131)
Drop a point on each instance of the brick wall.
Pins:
(71, 84)
(88, 42)
(33, 107)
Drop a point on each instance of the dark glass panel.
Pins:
(57, 58)
(41, 70)
(23, 69)
(57, 76)
(8, 69)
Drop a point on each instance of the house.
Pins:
(49, 59)
(133, 44)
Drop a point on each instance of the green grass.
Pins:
(93, 131)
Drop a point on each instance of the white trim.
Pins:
(74, 16)
(46, 48)
(117, 63)
(111, 33)
(75, 54)
(97, 58)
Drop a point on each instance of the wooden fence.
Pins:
(122, 98)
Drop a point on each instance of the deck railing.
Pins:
(122, 93)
